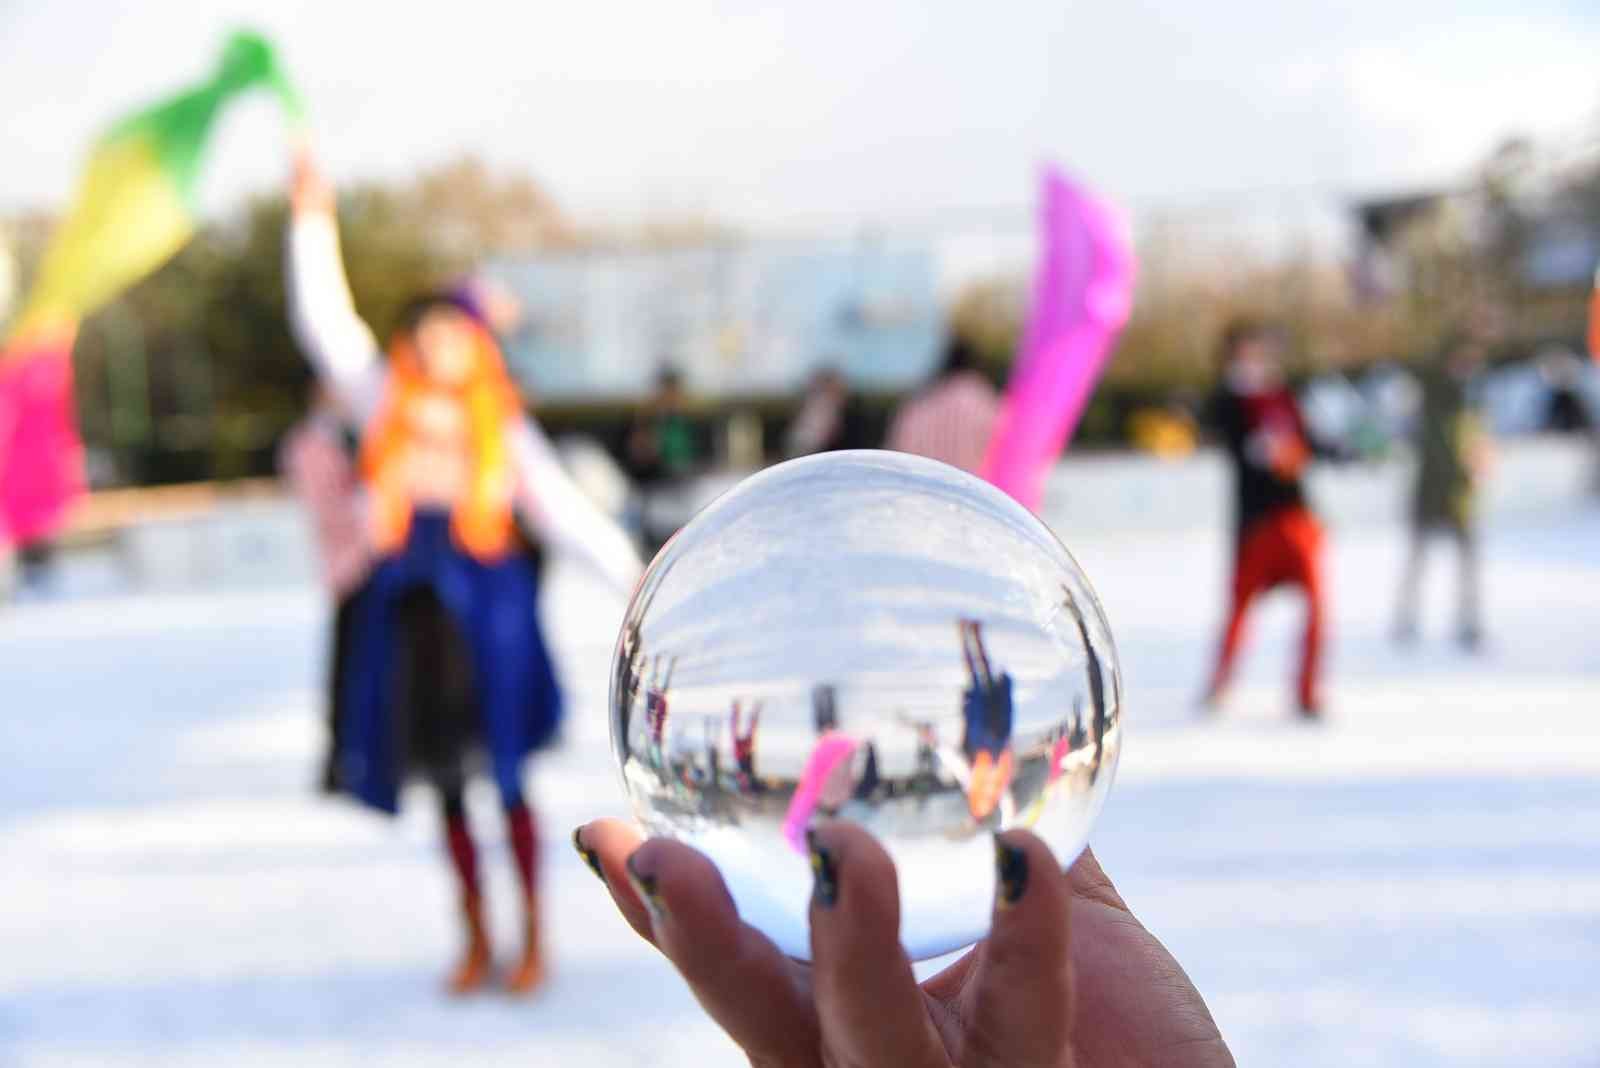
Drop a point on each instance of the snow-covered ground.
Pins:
(1416, 882)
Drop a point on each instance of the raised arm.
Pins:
(322, 315)
(562, 515)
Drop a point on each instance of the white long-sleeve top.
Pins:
(346, 357)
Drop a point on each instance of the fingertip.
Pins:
(689, 905)
(1011, 865)
(1031, 904)
(1026, 873)
(845, 859)
(739, 976)
(589, 857)
(824, 870)
(855, 897)
(606, 846)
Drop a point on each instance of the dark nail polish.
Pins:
(1011, 873)
(590, 857)
(645, 886)
(824, 872)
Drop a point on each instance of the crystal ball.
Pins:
(874, 637)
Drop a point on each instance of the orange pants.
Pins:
(1280, 548)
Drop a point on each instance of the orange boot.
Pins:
(529, 974)
(477, 960)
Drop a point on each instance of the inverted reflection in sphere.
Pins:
(873, 637)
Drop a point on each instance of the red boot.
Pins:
(529, 973)
(477, 959)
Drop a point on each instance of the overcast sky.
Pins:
(829, 110)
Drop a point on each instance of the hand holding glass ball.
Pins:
(872, 637)
(853, 685)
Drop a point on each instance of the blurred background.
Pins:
(697, 209)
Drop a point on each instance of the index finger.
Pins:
(676, 899)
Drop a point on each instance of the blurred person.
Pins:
(744, 746)
(662, 453)
(1452, 458)
(1277, 539)
(447, 655)
(986, 714)
(36, 565)
(1567, 410)
(1594, 318)
(318, 458)
(829, 418)
(661, 442)
(1066, 976)
(952, 418)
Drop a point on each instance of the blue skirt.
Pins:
(494, 607)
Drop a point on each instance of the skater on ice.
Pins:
(1278, 541)
(1453, 453)
(447, 654)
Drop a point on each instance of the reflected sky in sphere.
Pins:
(874, 637)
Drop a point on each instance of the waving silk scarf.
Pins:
(134, 209)
(1082, 294)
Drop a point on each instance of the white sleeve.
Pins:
(323, 317)
(563, 516)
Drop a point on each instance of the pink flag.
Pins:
(1082, 293)
(41, 458)
(824, 781)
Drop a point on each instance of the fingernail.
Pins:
(645, 886)
(590, 857)
(1011, 873)
(824, 872)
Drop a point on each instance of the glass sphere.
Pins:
(874, 637)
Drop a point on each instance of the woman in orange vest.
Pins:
(447, 651)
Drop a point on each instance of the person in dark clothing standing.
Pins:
(1452, 449)
(1277, 539)
(662, 453)
(318, 458)
(661, 444)
(829, 417)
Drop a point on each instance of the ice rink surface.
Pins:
(1416, 882)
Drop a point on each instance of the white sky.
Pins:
(825, 111)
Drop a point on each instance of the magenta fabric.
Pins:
(1082, 293)
(41, 457)
(833, 750)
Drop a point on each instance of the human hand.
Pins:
(309, 190)
(1067, 978)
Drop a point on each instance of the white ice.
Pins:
(1416, 882)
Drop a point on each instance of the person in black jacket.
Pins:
(1277, 539)
(829, 417)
